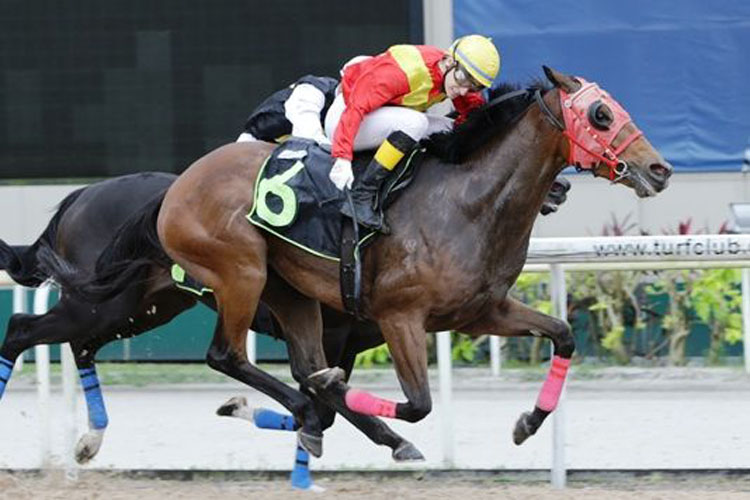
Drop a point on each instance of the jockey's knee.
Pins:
(415, 125)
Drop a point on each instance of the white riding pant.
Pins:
(302, 108)
(378, 125)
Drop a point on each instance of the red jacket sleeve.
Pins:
(466, 103)
(374, 88)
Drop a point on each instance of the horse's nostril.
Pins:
(660, 171)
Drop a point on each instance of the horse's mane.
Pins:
(483, 123)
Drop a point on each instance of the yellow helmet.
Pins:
(477, 55)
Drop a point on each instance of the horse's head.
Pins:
(602, 137)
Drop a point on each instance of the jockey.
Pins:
(381, 104)
(297, 110)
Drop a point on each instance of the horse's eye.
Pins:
(600, 116)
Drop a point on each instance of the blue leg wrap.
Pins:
(94, 399)
(6, 368)
(301, 478)
(269, 419)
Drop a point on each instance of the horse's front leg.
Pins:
(511, 318)
(406, 339)
(301, 323)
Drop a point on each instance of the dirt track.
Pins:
(93, 485)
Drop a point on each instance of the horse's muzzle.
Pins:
(659, 174)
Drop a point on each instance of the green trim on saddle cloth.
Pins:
(184, 282)
(262, 216)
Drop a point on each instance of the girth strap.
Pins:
(350, 270)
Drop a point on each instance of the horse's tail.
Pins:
(20, 261)
(123, 263)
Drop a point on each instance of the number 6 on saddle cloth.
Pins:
(296, 201)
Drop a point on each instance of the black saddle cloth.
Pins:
(296, 201)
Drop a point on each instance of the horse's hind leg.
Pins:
(84, 352)
(263, 418)
(136, 315)
(17, 339)
(63, 323)
(335, 340)
(237, 298)
(216, 245)
(511, 318)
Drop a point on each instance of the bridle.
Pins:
(590, 140)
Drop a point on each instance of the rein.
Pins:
(501, 99)
(505, 97)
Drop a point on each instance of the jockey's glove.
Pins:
(341, 174)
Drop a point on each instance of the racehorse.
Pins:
(85, 222)
(82, 226)
(459, 241)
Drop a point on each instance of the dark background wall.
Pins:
(92, 89)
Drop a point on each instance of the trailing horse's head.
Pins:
(602, 137)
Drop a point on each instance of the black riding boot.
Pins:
(366, 186)
(364, 194)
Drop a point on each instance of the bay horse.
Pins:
(459, 241)
(84, 223)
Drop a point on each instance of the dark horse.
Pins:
(458, 243)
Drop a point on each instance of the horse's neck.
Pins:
(516, 173)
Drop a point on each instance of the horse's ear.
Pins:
(560, 80)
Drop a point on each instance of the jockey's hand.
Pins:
(341, 174)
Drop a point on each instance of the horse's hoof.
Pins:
(313, 488)
(326, 377)
(88, 446)
(407, 452)
(523, 428)
(312, 444)
(231, 407)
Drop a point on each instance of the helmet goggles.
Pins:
(464, 79)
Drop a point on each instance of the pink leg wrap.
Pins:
(367, 404)
(553, 386)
